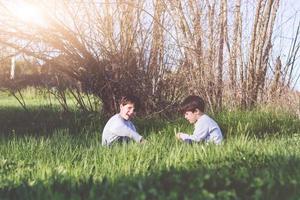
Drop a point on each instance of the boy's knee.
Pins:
(188, 141)
(123, 139)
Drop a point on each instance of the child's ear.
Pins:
(197, 111)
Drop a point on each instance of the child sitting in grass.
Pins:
(119, 128)
(206, 129)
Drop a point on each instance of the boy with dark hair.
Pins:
(206, 129)
(119, 128)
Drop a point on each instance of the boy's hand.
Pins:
(143, 141)
(177, 135)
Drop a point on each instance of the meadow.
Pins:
(47, 154)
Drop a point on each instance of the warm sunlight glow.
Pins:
(29, 14)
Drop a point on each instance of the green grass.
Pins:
(62, 158)
(43, 115)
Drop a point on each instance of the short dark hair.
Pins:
(191, 103)
(126, 99)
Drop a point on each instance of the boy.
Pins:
(119, 128)
(206, 129)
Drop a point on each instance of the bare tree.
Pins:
(260, 47)
(160, 50)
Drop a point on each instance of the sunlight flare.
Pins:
(29, 14)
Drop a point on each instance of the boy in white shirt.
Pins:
(119, 128)
(206, 129)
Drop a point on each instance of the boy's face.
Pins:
(127, 111)
(192, 117)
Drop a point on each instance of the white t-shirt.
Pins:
(206, 129)
(117, 127)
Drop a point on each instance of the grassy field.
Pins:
(45, 154)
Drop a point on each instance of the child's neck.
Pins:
(200, 115)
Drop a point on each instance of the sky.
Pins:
(287, 21)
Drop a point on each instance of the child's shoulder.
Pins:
(114, 118)
(206, 118)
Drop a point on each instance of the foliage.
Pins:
(160, 50)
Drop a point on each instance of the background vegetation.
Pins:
(160, 50)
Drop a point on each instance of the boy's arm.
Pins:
(182, 136)
(121, 129)
(200, 133)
